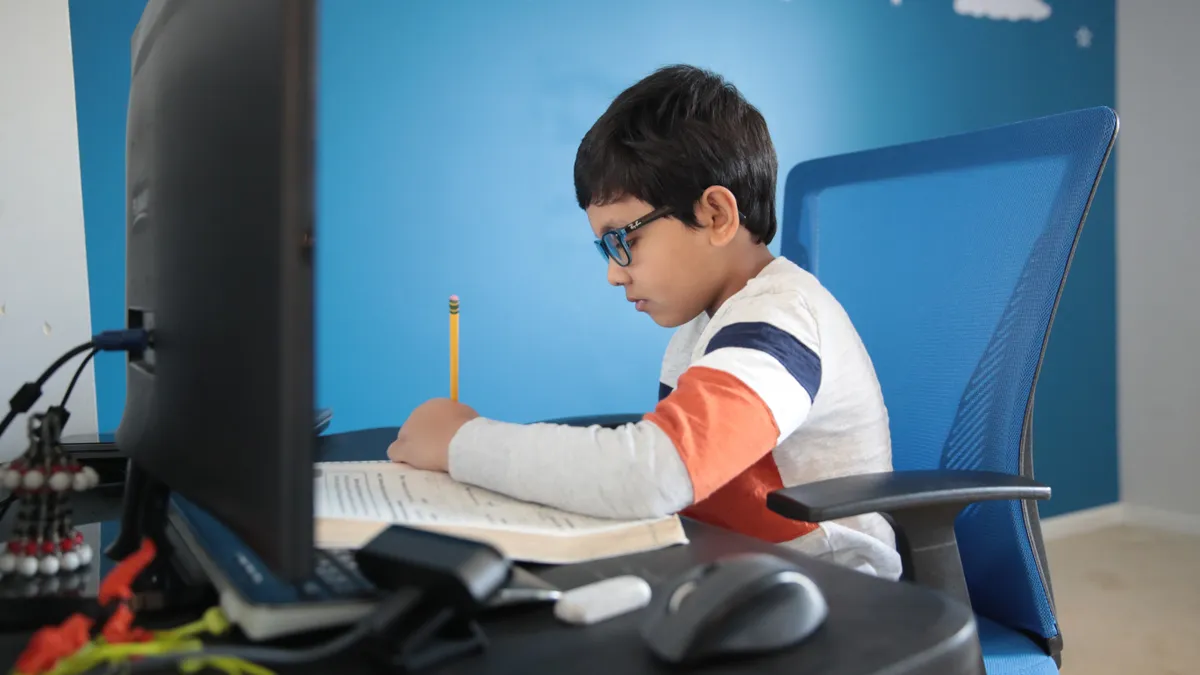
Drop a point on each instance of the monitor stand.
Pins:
(174, 580)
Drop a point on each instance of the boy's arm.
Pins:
(753, 387)
(629, 472)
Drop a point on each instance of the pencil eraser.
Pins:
(454, 298)
(602, 600)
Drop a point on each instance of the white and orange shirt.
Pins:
(774, 390)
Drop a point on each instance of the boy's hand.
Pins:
(424, 440)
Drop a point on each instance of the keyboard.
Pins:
(265, 607)
(336, 576)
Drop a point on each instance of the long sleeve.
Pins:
(753, 386)
(630, 472)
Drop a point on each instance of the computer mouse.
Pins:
(743, 604)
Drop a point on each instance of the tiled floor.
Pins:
(1128, 602)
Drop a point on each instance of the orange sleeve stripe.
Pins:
(720, 427)
(741, 505)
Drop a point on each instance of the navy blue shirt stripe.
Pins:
(796, 357)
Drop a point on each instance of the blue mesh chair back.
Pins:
(949, 256)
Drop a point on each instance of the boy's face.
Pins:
(669, 275)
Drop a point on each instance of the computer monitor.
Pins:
(219, 265)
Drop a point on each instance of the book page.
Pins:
(355, 500)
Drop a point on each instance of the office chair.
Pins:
(950, 256)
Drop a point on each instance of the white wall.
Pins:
(1158, 253)
(43, 265)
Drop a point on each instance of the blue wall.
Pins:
(100, 33)
(447, 136)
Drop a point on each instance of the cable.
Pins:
(75, 378)
(267, 656)
(128, 340)
(12, 415)
(75, 351)
(275, 656)
(6, 503)
(30, 392)
(282, 657)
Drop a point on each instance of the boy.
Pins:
(765, 384)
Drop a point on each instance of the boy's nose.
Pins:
(617, 275)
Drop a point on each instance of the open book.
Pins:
(354, 501)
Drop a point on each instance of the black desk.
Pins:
(874, 626)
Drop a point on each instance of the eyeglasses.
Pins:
(614, 245)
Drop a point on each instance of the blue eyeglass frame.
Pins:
(608, 243)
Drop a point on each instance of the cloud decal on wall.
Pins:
(1012, 10)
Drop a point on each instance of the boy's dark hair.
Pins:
(671, 136)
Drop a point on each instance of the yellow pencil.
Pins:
(454, 348)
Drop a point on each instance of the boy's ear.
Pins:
(717, 211)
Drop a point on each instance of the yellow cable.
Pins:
(213, 621)
(98, 652)
(180, 640)
(233, 666)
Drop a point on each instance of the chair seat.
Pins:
(1009, 652)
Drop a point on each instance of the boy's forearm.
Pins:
(631, 472)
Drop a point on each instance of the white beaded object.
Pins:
(80, 482)
(85, 554)
(28, 566)
(70, 561)
(8, 563)
(34, 479)
(93, 478)
(49, 565)
(60, 480)
(12, 479)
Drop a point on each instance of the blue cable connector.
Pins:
(125, 340)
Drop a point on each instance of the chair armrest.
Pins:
(920, 505)
(609, 421)
(897, 490)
